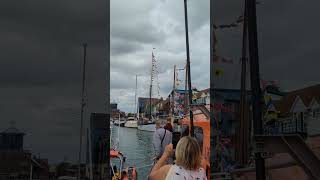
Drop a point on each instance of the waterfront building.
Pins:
(100, 144)
(299, 112)
(143, 105)
(15, 161)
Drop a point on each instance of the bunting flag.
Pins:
(236, 23)
(218, 72)
(265, 83)
(219, 59)
(214, 40)
(267, 100)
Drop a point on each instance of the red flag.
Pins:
(227, 60)
(264, 83)
(216, 58)
(214, 41)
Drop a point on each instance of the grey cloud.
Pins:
(41, 70)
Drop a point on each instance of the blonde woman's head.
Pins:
(158, 124)
(188, 153)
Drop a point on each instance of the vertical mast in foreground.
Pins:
(82, 106)
(255, 83)
(188, 66)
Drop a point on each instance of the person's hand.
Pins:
(168, 151)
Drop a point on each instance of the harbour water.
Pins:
(137, 147)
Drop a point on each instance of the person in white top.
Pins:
(187, 164)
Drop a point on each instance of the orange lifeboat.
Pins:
(201, 125)
(127, 174)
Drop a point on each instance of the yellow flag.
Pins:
(218, 72)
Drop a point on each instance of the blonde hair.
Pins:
(158, 123)
(188, 153)
(169, 119)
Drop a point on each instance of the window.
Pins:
(301, 116)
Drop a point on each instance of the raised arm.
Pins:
(160, 170)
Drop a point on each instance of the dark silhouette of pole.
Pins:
(135, 98)
(243, 121)
(185, 91)
(82, 106)
(150, 117)
(174, 90)
(188, 66)
(255, 83)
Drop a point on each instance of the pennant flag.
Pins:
(218, 72)
(267, 100)
(227, 60)
(215, 41)
(215, 58)
(219, 59)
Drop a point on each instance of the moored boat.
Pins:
(120, 122)
(131, 123)
(147, 127)
(119, 172)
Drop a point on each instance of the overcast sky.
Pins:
(288, 37)
(143, 25)
(41, 69)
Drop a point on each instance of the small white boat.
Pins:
(131, 123)
(121, 123)
(147, 127)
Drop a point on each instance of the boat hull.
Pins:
(121, 123)
(147, 127)
(131, 124)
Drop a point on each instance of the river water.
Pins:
(137, 147)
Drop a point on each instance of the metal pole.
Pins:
(150, 117)
(90, 153)
(188, 66)
(185, 92)
(135, 97)
(255, 84)
(243, 122)
(82, 107)
(173, 92)
(31, 170)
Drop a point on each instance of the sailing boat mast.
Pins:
(185, 91)
(150, 95)
(135, 97)
(188, 67)
(255, 83)
(82, 106)
(244, 125)
(173, 91)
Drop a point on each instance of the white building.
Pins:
(300, 111)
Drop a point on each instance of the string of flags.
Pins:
(265, 83)
(236, 23)
(219, 59)
(177, 80)
(155, 72)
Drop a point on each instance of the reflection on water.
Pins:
(137, 147)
